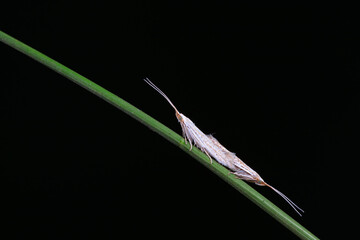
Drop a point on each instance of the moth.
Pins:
(213, 149)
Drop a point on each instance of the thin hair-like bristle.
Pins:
(147, 80)
(291, 203)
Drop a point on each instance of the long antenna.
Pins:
(147, 80)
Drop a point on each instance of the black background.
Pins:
(277, 84)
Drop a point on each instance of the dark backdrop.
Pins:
(277, 84)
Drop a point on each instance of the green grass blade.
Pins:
(164, 131)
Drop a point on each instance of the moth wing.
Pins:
(243, 175)
(216, 142)
(231, 154)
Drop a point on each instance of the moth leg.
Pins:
(211, 161)
(237, 177)
(190, 145)
(187, 139)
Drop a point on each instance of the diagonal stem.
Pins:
(164, 131)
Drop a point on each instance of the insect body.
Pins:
(212, 148)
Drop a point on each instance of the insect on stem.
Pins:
(212, 148)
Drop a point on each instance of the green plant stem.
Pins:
(164, 131)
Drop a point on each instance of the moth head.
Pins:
(178, 116)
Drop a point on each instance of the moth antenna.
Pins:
(147, 80)
(291, 203)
